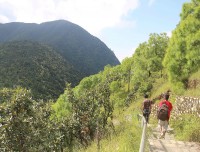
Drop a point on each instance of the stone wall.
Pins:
(183, 105)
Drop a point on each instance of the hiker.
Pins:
(146, 107)
(163, 115)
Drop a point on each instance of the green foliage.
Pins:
(25, 125)
(126, 70)
(149, 55)
(87, 83)
(183, 55)
(195, 87)
(160, 86)
(115, 86)
(148, 62)
(16, 121)
(135, 74)
(86, 53)
(69, 54)
(88, 111)
(115, 77)
(36, 67)
(126, 136)
(187, 128)
(62, 107)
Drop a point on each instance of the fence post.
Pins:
(142, 142)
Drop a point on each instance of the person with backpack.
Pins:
(163, 115)
(146, 107)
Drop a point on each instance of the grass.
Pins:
(127, 134)
(159, 87)
(195, 75)
(187, 128)
(192, 93)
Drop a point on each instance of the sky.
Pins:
(121, 24)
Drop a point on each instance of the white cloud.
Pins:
(93, 15)
(169, 34)
(3, 19)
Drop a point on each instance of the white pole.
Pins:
(142, 142)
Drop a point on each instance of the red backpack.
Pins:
(162, 113)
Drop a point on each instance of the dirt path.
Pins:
(169, 144)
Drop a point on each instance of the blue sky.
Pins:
(160, 16)
(121, 24)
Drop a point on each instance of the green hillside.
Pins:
(100, 113)
(73, 54)
(36, 67)
(85, 52)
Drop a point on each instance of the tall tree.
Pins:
(183, 54)
(148, 60)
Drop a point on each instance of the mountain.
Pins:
(36, 67)
(43, 57)
(86, 53)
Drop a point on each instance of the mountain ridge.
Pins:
(69, 39)
(80, 54)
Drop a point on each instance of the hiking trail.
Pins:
(169, 144)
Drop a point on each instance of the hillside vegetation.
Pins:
(100, 114)
(36, 67)
(77, 54)
(86, 53)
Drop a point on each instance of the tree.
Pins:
(147, 61)
(25, 125)
(16, 121)
(183, 54)
(126, 67)
(157, 45)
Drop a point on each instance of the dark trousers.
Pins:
(146, 114)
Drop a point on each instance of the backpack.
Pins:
(163, 112)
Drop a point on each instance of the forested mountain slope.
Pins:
(85, 52)
(35, 66)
